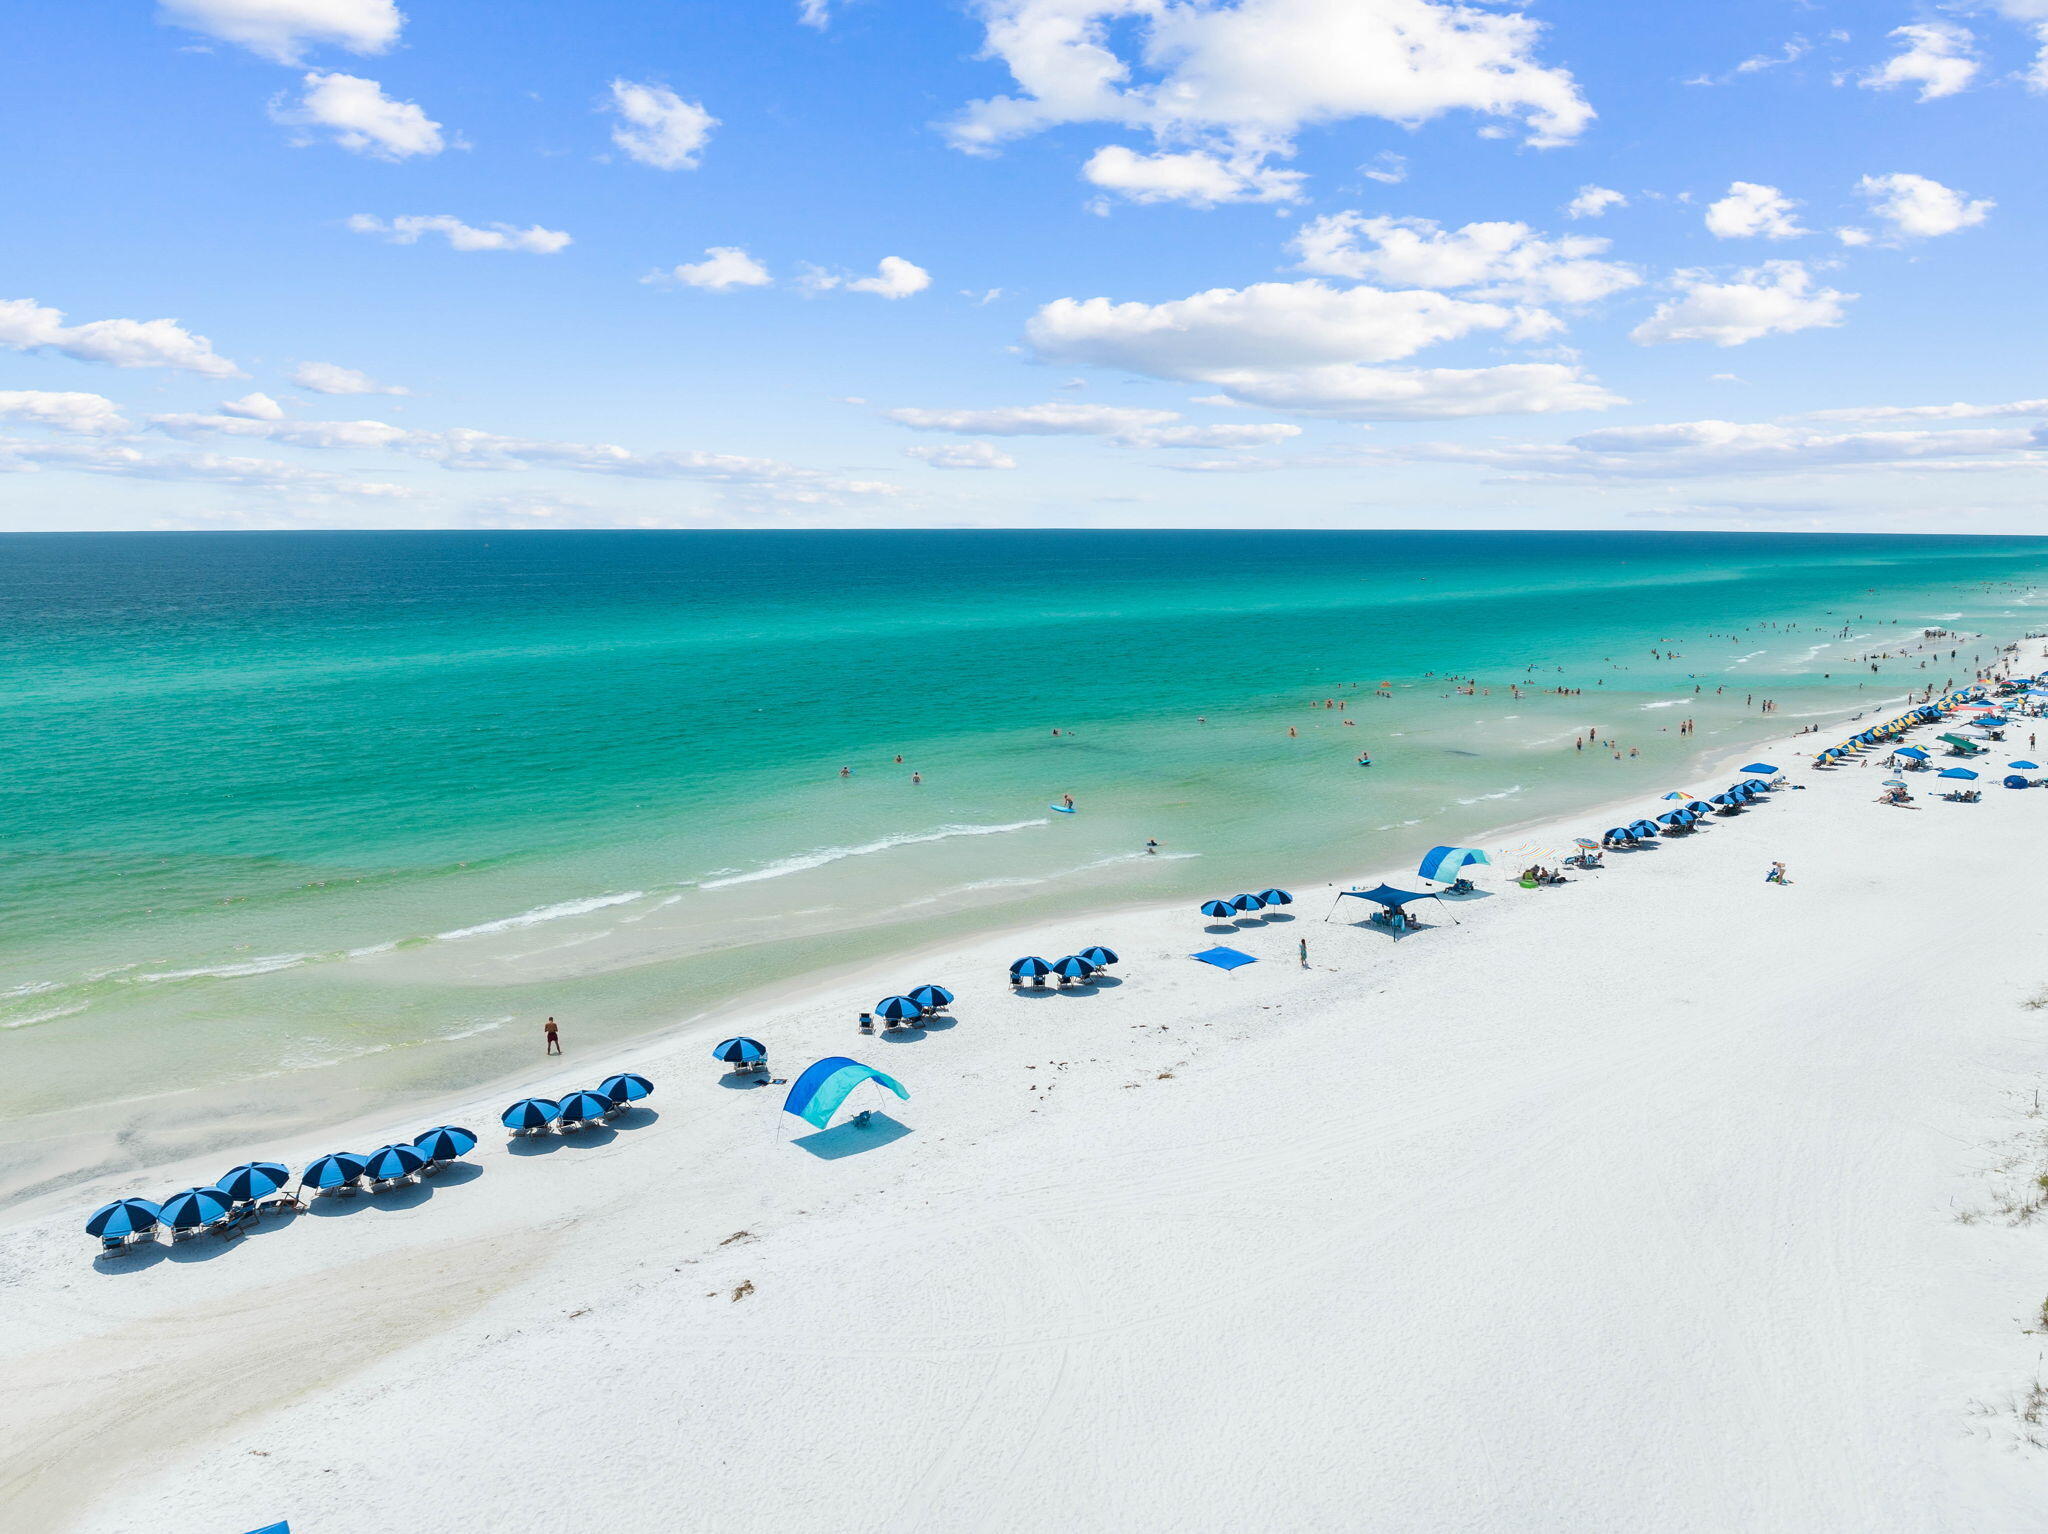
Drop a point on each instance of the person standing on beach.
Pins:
(1304, 953)
(1776, 875)
(554, 1037)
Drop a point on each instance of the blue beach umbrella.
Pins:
(1030, 968)
(584, 1107)
(1102, 957)
(741, 1051)
(1643, 827)
(932, 997)
(898, 1009)
(392, 1161)
(2030, 766)
(1957, 772)
(253, 1180)
(1700, 807)
(123, 1217)
(531, 1113)
(193, 1208)
(1618, 834)
(625, 1088)
(1247, 903)
(1220, 910)
(1073, 967)
(444, 1143)
(1759, 767)
(333, 1171)
(1276, 897)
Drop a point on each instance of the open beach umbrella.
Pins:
(1675, 818)
(1072, 967)
(740, 1051)
(898, 1009)
(1674, 795)
(332, 1171)
(444, 1143)
(1102, 957)
(1276, 897)
(392, 1161)
(254, 1180)
(1618, 834)
(626, 1087)
(2030, 766)
(193, 1208)
(932, 997)
(1957, 772)
(1893, 783)
(1221, 910)
(585, 1107)
(1035, 968)
(123, 1217)
(1759, 767)
(531, 1113)
(1643, 827)
(1247, 903)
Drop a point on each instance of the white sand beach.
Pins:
(1662, 1200)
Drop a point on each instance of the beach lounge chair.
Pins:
(236, 1221)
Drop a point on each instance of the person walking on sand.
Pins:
(554, 1037)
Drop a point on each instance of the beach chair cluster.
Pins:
(578, 1110)
(232, 1206)
(1074, 969)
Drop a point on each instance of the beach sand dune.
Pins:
(1639, 1203)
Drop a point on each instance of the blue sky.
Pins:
(1373, 263)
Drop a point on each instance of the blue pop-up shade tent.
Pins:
(1913, 751)
(1759, 767)
(816, 1095)
(1387, 895)
(1224, 958)
(1447, 863)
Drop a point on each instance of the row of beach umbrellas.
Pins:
(1244, 905)
(531, 1114)
(1075, 966)
(195, 1208)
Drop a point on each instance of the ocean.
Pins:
(297, 823)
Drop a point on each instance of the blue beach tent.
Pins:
(123, 1217)
(626, 1087)
(444, 1143)
(2014, 780)
(1759, 767)
(1386, 895)
(1912, 751)
(531, 1113)
(816, 1095)
(1224, 958)
(1444, 863)
(740, 1051)
(335, 1171)
(1957, 772)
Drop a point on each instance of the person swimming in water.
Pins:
(1365, 758)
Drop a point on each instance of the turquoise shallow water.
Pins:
(294, 820)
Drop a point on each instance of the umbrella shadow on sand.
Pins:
(850, 1139)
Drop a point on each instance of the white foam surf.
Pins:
(804, 862)
(541, 914)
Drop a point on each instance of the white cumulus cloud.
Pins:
(1507, 261)
(1919, 208)
(657, 127)
(1197, 178)
(331, 378)
(26, 325)
(724, 267)
(1752, 211)
(1593, 201)
(1305, 347)
(1128, 426)
(1246, 77)
(1937, 56)
(894, 278)
(409, 229)
(282, 30)
(62, 410)
(962, 455)
(1776, 298)
(360, 117)
(253, 407)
